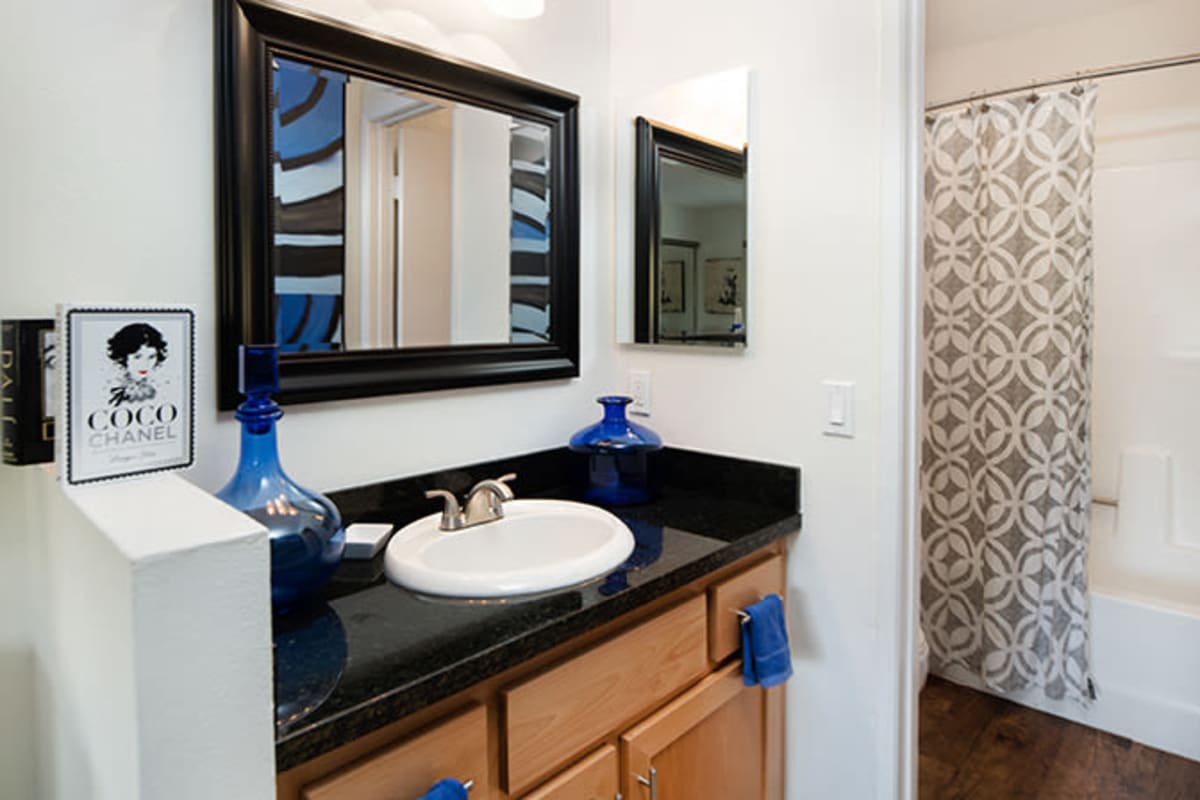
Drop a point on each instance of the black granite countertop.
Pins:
(370, 652)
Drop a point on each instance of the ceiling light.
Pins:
(516, 9)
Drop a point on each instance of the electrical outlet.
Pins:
(639, 390)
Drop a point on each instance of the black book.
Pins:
(28, 393)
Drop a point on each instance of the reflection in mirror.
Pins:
(701, 254)
(682, 212)
(393, 219)
(690, 238)
(402, 219)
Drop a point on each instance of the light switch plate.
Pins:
(639, 390)
(839, 408)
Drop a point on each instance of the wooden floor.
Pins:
(977, 746)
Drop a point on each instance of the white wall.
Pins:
(1146, 195)
(819, 294)
(108, 172)
(18, 709)
(712, 105)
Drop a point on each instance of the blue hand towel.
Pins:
(766, 658)
(446, 789)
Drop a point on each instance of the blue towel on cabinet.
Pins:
(446, 789)
(766, 658)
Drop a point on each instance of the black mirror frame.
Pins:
(245, 29)
(655, 142)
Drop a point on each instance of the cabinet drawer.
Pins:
(456, 748)
(593, 778)
(728, 596)
(555, 716)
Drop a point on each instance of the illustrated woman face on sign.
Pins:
(137, 350)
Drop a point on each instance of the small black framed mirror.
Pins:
(689, 238)
(395, 220)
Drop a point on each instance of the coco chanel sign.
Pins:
(127, 391)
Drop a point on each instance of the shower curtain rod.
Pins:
(1083, 75)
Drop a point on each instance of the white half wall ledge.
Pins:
(160, 516)
(155, 644)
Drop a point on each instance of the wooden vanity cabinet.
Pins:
(657, 697)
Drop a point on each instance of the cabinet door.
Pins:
(456, 748)
(716, 741)
(593, 778)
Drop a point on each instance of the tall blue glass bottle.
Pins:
(305, 528)
(619, 471)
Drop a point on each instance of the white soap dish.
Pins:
(365, 539)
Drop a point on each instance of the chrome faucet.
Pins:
(485, 503)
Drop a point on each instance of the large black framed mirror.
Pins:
(395, 220)
(690, 231)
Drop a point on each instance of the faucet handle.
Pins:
(451, 512)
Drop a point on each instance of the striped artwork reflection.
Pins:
(309, 205)
(530, 260)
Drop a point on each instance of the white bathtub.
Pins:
(1145, 592)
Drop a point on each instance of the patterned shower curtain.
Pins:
(1005, 476)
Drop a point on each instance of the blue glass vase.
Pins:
(307, 537)
(619, 471)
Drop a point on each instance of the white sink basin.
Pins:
(537, 546)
